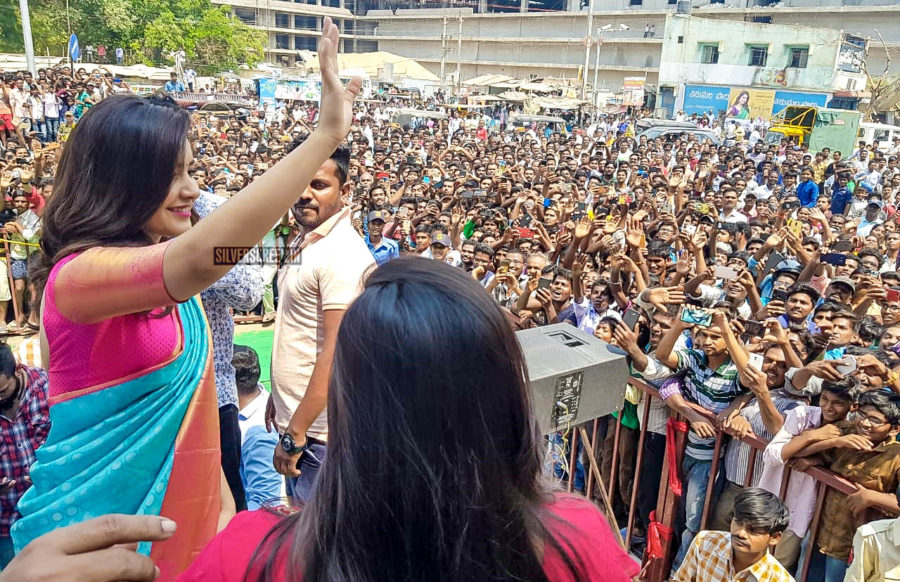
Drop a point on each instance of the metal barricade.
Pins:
(657, 569)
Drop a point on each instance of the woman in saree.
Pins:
(133, 402)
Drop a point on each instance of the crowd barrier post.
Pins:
(610, 516)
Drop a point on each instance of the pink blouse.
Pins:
(227, 556)
(102, 318)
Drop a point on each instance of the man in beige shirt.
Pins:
(321, 277)
(876, 552)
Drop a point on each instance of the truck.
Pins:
(815, 127)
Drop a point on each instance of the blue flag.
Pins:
(74, 50)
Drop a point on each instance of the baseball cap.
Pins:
(876, 202)
(377, 215)
(788, 266)
(440, 238)
(846, 282)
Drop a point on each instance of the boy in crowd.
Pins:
(865, 452)
(710, 380)
(759, 520)
(836, 398)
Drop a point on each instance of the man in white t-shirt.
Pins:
(322, 276)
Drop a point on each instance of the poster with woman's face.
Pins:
(750, 104)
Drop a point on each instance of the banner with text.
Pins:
(744, 104)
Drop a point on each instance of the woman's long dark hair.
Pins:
(114, 173)
(433, 465)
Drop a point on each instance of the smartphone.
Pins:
(848, 367)
(480, 193)
(772, 261)
(504, 267)
(892, 295)
(795, 226)
(836, 259)
(731, 227)
(407, 226)
(780, 295)
(631, 318)
(525, 232)
(544, 283)
(842, 246)
(548, 202)
(689, 229)
(580, 207)
(756, 360)
(696, 316)
(701, 207)
(753, 328)
(727, 273)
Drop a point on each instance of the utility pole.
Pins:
(587, 48)
(458, 55)
(443, 51)
(597, 66)
(26, 32)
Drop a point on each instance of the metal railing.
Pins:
(657, 568)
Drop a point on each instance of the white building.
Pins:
(754, 70)
(547, 37)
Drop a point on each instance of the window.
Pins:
(245, 15)
(282, 20)
(758, 56)
(709, 54)
(635, 2)
(762, 19)
(305, 43)
(282, 41)
(798, 58)
(306, 22)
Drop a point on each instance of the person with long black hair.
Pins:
(132, 397)
(433, 465)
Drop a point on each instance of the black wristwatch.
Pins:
(289, 446)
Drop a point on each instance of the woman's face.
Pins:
(173, 217)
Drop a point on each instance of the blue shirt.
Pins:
(241, 288)
(386, 250)
(840, 198)
(808, 193)
(261, 481)
(176, 86)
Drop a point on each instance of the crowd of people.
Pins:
(753, 285)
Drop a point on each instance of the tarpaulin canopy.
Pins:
(372, 62)
(487, 80)
(557, 102)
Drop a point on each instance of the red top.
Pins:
(227, 556)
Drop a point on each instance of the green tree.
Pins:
(212, 39)
(10, 27)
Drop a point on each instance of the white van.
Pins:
(880, 132)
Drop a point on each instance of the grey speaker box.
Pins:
(574, 376)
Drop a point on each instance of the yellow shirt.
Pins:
(876, 552)
(709, 560)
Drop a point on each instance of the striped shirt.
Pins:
(709, 560)
(737, 455)
(712, 389)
